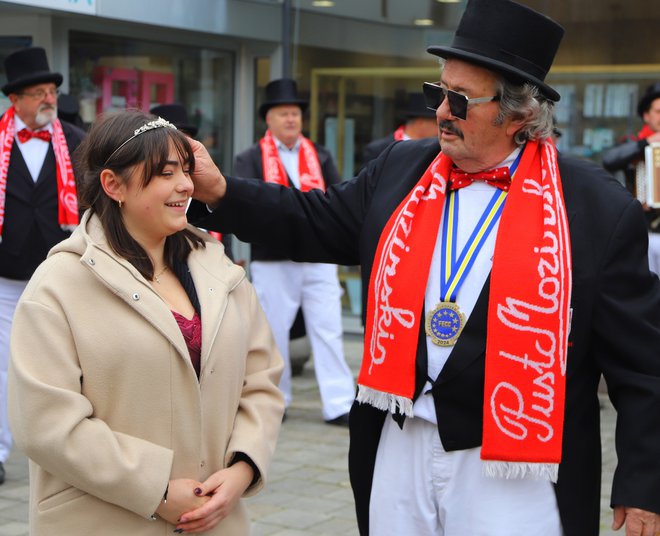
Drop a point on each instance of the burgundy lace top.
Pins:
(192, 333)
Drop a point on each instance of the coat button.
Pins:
(136, 296)
(91, 262)
(202, 463)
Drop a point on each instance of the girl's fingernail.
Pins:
(198, 491)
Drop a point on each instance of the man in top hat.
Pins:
(38, 206)
(629, 154)
(285, 157)
(420, 123)
(625, 156)
(493, 305)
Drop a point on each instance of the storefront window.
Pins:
(109, 73)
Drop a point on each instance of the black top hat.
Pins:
(417, 107)
(176, 114)
(27, 67)
(68, 109)
(281, 91)
(507, 38)
(652, 93)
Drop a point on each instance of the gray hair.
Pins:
(524, 102)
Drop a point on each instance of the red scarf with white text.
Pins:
(309, 169)
(528, 314)
(67, 213)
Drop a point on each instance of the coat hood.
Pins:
(88, 241)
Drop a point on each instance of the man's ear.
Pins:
(514, 126)
(113, 185)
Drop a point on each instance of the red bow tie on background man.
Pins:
(498, 177)
(26, 134)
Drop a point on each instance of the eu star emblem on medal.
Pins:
(445, 323)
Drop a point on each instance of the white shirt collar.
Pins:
(511, 158)
(281, 146)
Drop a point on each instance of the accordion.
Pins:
(647, 177)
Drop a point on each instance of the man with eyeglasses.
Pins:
(493, 305)
(38, 206)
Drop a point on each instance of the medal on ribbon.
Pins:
(446, 321)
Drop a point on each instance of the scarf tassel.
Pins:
(537, 471)
(385, 401)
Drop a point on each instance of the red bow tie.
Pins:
(498, 177)
(26, 134)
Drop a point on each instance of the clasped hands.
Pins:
(199, 506)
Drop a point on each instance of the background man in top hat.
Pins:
(488, 329)
(626, 156)
(284, 156)
(420, 123)
(36, 178)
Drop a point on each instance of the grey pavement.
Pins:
(308, 490)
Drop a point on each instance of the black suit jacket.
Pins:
(615, 325)
(374, 148)
(30, 226)
(248, 164)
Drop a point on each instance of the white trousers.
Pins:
(283, 287)
(10, 292)
(419, 488)
(654, 252)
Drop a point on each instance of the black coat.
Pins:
(248, 164)
(615, 325)
(30, 226)
(374, 148)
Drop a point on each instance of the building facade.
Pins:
(355, 60)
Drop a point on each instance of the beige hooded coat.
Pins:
(103, 397)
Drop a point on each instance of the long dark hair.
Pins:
(99, 151)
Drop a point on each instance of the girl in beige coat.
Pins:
(143, 377)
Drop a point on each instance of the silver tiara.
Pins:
(151, 125)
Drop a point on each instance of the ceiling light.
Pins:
(423, 22)
(449, 1)
(323, 3)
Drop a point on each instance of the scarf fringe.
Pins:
(538, 471)
(385, 401)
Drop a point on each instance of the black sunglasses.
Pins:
(458, 104)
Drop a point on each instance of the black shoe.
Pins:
(2, 473)
(342, 420)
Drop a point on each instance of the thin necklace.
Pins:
(157, 276)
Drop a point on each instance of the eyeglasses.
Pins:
(40, 94)
(458, 104)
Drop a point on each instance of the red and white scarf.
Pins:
(67, 214)
(309, 169)
(400, 133)
(528, 314)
